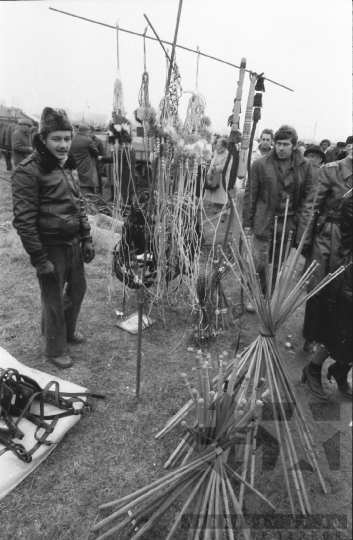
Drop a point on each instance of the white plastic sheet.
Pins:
(12, 469)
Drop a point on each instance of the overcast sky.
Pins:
(50, 59)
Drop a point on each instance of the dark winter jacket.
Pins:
(330, 156)
(21, 145)
(265, 193)
(335, 180)
(98, 143)
(85, 153)
(47, 205)
(6, 131)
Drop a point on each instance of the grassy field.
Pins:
(112, 450)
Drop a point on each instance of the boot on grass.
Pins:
(311, 376)
(340, 373)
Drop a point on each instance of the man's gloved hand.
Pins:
(46, 271)
(88, 251)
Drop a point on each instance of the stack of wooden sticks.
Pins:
(204, 477)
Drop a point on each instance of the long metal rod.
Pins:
(168, 43)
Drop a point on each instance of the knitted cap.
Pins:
(54, 120)
(349, 140)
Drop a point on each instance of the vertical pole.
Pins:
(139, 339)
(245, 140)
(233, 137)
(174, 45)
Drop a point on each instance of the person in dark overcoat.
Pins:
(21, 143)
(98, 143)
(323, 236)
(316, 156)
(50, 218)
(85, 153)
(335, 316)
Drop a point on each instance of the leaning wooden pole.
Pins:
(245, 143)
(174, 45)
(233, 135)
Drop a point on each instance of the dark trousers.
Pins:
(311, 319)
(8, 160)
(62, 299)
(262, 249)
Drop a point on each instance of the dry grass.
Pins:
(112, 450)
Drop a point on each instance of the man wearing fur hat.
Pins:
(51, 220)
(20, 141)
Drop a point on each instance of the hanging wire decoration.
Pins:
(118, 99)
(196, 120)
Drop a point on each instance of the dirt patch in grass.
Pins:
(112, 451)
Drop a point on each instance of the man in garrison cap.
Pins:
(51, 220)
(21, 142)
(322, 242)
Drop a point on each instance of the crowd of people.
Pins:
(289, 183)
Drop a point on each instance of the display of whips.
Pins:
(202, 484)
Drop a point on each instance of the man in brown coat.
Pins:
(283, 175)
(21, 142)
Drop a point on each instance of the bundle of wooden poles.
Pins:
(261, 360)
(201, 488)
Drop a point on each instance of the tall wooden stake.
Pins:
(174, 45)
(233, 135)
(141, 300)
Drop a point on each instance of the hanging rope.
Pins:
(118, 101)
(143, 97)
